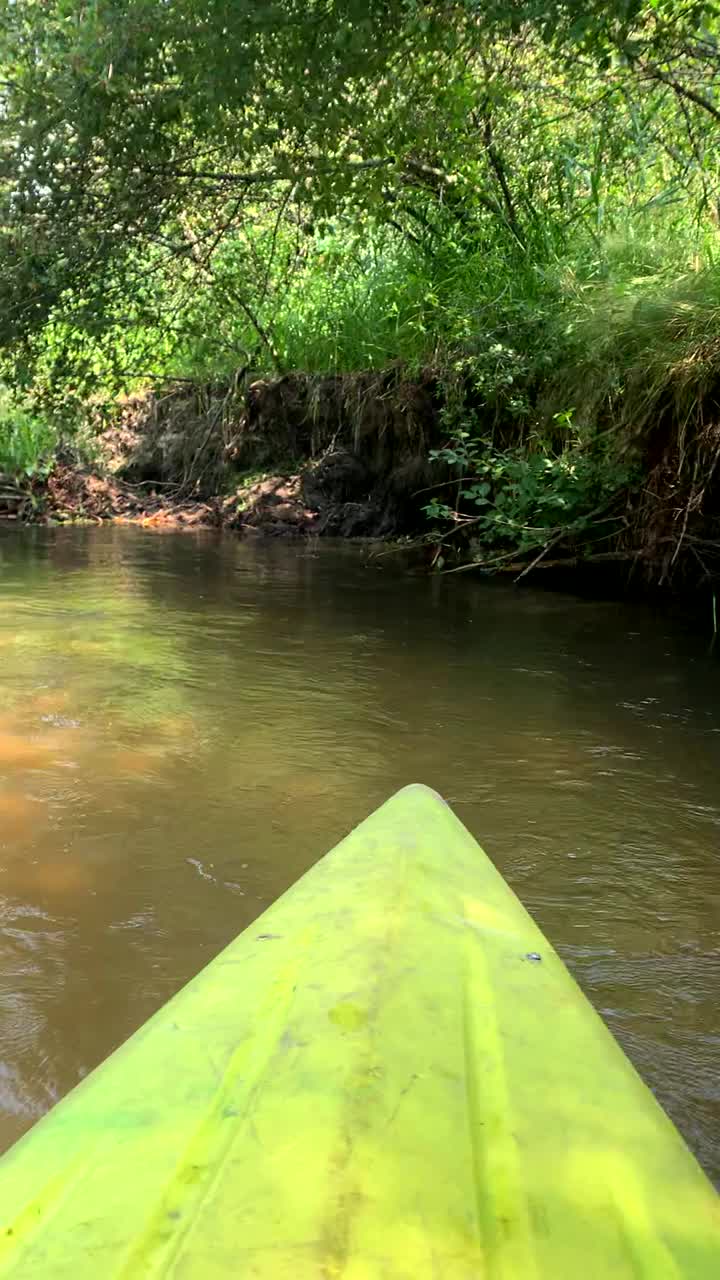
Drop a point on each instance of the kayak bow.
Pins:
(389, 1074)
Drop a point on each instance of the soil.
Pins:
(77, 495)
(341, 455)
(331, 497)
(345, 456)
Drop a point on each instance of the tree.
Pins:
(138, 139)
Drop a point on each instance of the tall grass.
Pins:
(646, 289)
(351, 302)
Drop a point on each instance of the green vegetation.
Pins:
(27, 441)
(517, 200)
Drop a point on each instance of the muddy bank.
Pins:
(345, 456)
(341, 456)
(332, 496)
(76, 494)
(356, 456)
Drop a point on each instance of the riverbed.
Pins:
(188, 721)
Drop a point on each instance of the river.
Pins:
(187, 722)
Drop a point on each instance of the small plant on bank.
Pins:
(531, 497)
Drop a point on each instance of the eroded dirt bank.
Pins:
(352, 456)
(343, 456)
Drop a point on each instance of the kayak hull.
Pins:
(389, 1074)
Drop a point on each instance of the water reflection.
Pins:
(186, 723)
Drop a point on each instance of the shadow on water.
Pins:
(187, 723)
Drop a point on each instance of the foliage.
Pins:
(530, 497)
(149, 152)
(27, 441)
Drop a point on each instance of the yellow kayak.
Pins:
(389, 1076)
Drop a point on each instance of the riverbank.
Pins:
(381, 455)
(345, 456)
(73, 494)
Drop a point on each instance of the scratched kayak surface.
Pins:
(390, 1074)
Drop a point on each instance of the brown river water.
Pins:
(188, 722)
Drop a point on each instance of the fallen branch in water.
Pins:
(541, 555)
(510, 563)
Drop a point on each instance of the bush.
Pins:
(531, 496)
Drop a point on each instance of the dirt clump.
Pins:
(272, 505)
(76, 494)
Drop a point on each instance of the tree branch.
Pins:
(271, 175)
(682, 90)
